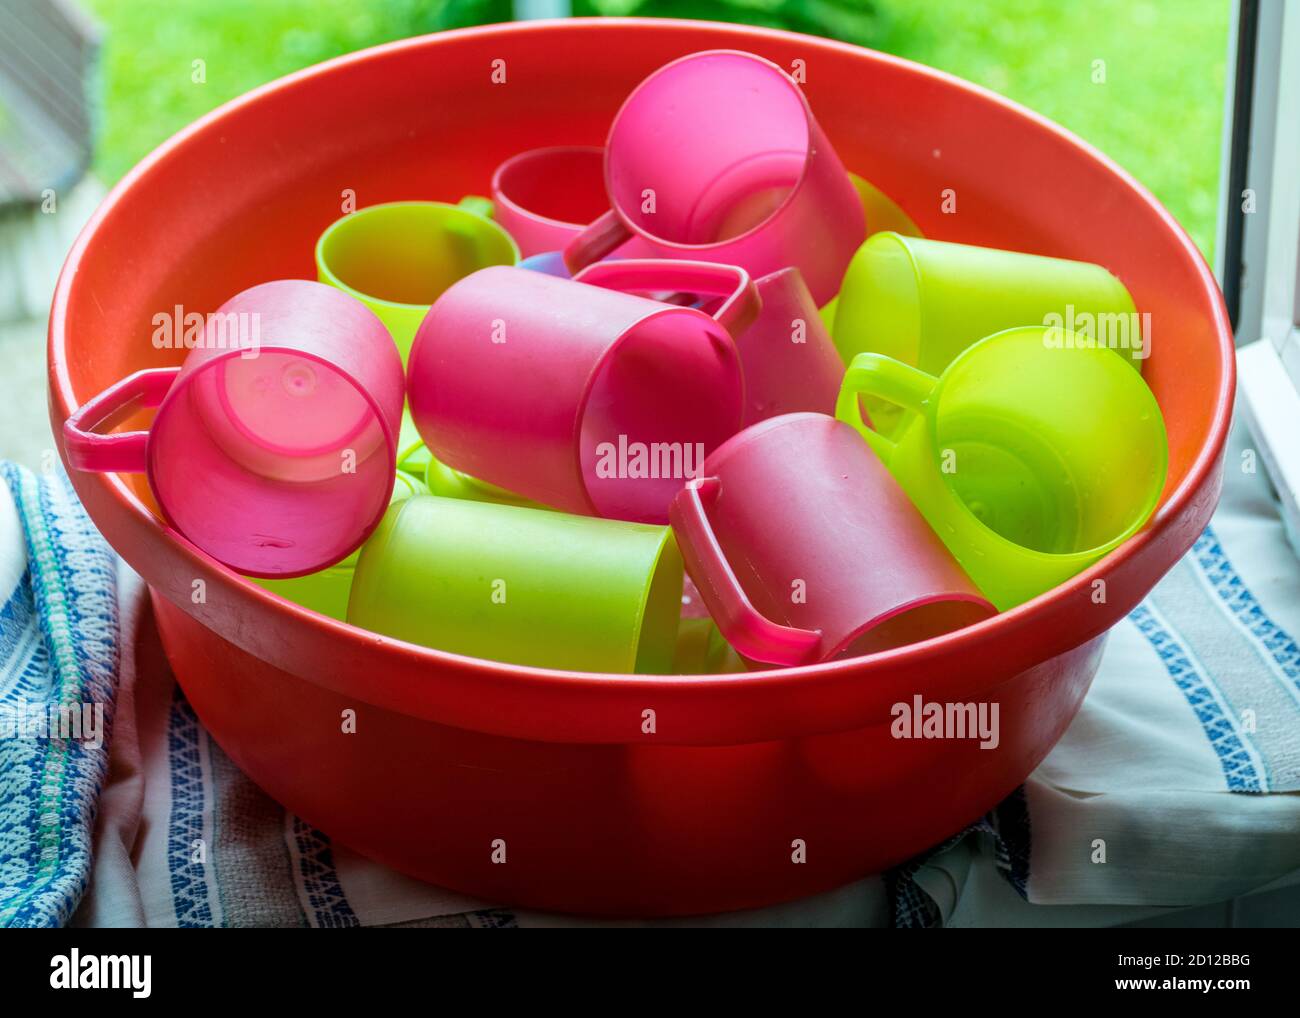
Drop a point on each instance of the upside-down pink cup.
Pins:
(273, 452)
(717, 156)
(577, 394)
(804, 548)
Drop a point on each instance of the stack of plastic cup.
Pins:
(626, 440)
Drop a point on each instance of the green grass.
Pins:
(1158, 113)
(148, 91)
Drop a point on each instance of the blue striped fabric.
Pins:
(199, 896)
(233, 857)
(58, 649)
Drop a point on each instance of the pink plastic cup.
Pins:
(804, 548)
(576, 394)
(277, 455)
(544, 197)
(717, 156)
(789, 360)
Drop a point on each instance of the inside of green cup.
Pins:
(410, 252)
(1058, 450)
(663, 608)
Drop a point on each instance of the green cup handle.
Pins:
(477, 204)
(874, 374)
(467, 237)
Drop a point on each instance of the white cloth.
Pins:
(1183, 762)
(1191, 799)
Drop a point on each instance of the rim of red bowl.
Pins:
(63, 399)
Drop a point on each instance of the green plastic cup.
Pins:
(414, 458)
(398, 258)
(522, 585)
(1030, 460)
(827, 313)
(701, 650)
(925, 301)
(443, 480)
(882, 213)
(327, 591)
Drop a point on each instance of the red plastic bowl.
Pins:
(451, 753)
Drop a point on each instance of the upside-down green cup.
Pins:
(1030, 460)
(398, 258)
(524, 586)
(327, 591)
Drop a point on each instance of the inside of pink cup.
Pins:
(566, 185)
(708, 148)
(274, 464)
(666, 395)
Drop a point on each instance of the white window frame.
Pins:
(1267, 264)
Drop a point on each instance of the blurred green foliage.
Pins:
(1158, 112)
(850, 20)
(151, 45)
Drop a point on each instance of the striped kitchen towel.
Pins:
(1176, 783)
(1174, 786)
(58, 665)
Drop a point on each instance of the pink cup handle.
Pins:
(708, 279)
(743, 626)
(123, 453)
(598, 239)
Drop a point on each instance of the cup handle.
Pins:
(599, 238)
(874, 374)
(122, 453)
(712, 279)
(477, 204)
(745, 628)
